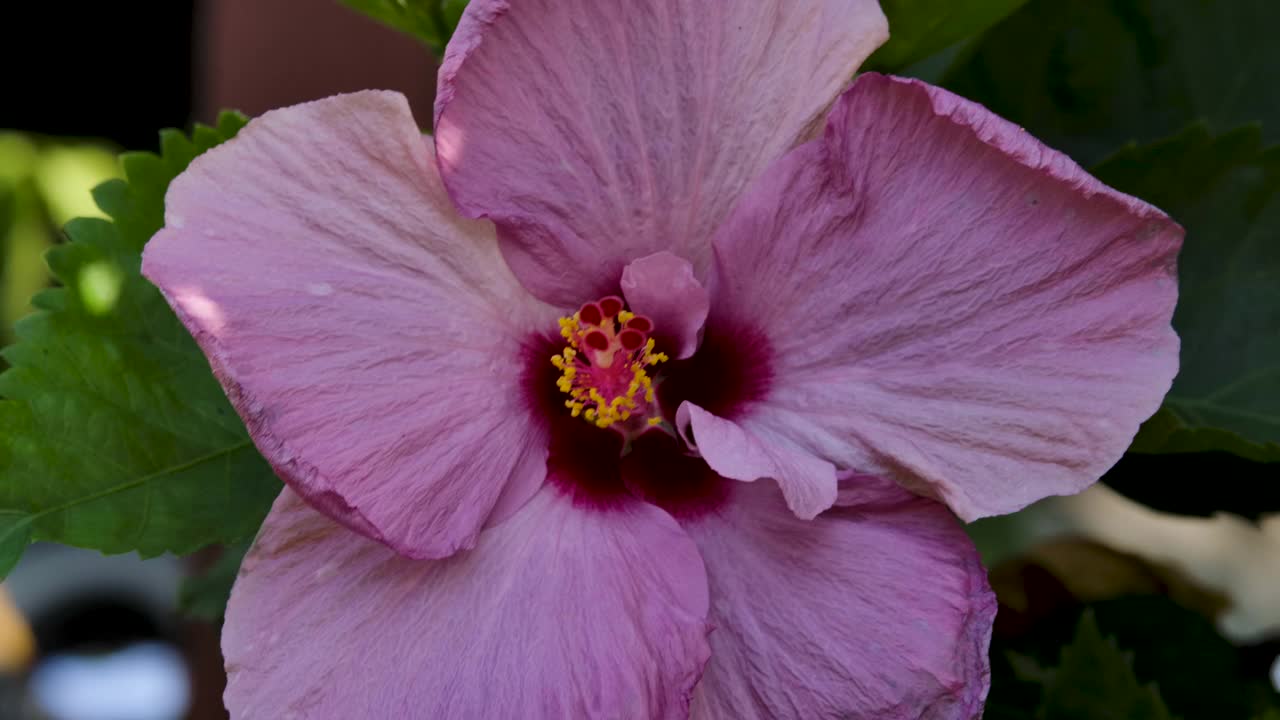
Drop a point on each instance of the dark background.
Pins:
(122, 71)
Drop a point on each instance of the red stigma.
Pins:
(596, 340)
(611, 306)
(631, 339)
(640, 324)
(591, 314)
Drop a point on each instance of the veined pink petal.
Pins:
(663, 287)
(876, 611)
(368, 335)
(556, 613)
(950, 303)
(595, 132)
(807, 482)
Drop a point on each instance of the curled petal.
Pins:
(738, 453)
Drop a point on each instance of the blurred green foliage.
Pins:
(1089, 76)
(1135, 657)
(204, 594)
(920, 28)
(43, 184)
(1093, 679)
(114, 434)
(430, 21)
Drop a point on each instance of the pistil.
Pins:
(605, 367)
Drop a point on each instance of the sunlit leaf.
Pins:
(65, 175)
(430, 21)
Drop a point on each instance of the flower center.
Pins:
(609, 412)
(604, 369)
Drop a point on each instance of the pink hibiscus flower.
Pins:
(600, 405)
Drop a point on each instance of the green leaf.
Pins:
(1096, 680)
(1225, 191)
(1088, 76)
(920, 28)
(15, 534)
(204, 596)
(1199, 673)
(432, 22)
(114, 434)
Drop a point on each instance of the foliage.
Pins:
(1093, 679)
(430, 21)
(919, 28)
(1131, 657)
(204, 595)
(43, 184)
(1089, 76)
(114, 434)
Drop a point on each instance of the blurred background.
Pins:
(1188, 595)
(84, 636)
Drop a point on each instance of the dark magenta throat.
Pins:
(608, 390)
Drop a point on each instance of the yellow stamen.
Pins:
(588, 401)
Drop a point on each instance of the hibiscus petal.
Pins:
(950, 303)
(595, 132)
(368, 335)
(873, 611)
(556, 613)
(808, 482)
(663, 287)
